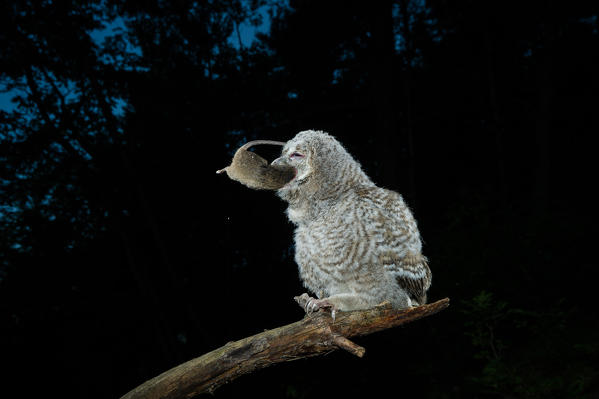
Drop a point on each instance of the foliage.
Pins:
(518, 350)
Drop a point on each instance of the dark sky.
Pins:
(247, 32)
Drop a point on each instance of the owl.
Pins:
(356, 244)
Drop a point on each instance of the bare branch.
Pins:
(312, 336)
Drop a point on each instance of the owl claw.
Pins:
(311, 305)
(309, 308)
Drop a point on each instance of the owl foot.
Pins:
(311, 305)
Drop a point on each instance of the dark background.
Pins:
(123, 254)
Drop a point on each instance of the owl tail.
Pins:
(418, 300)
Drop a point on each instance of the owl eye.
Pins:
(296, 155)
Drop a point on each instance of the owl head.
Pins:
(322, 166)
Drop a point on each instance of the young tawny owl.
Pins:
(356, 244)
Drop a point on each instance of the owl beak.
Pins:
(279, 161)
(282, 161)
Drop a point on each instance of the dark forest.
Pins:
(123, 254)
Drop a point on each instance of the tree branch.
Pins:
(312, 336)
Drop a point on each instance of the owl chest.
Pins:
(327, 257)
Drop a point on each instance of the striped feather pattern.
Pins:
(356, 244)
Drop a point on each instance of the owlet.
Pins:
(356, 244)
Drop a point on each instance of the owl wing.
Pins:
(413, 275)
(399, 246)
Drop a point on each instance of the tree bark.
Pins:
(314, 335)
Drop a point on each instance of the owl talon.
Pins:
(311, 305)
